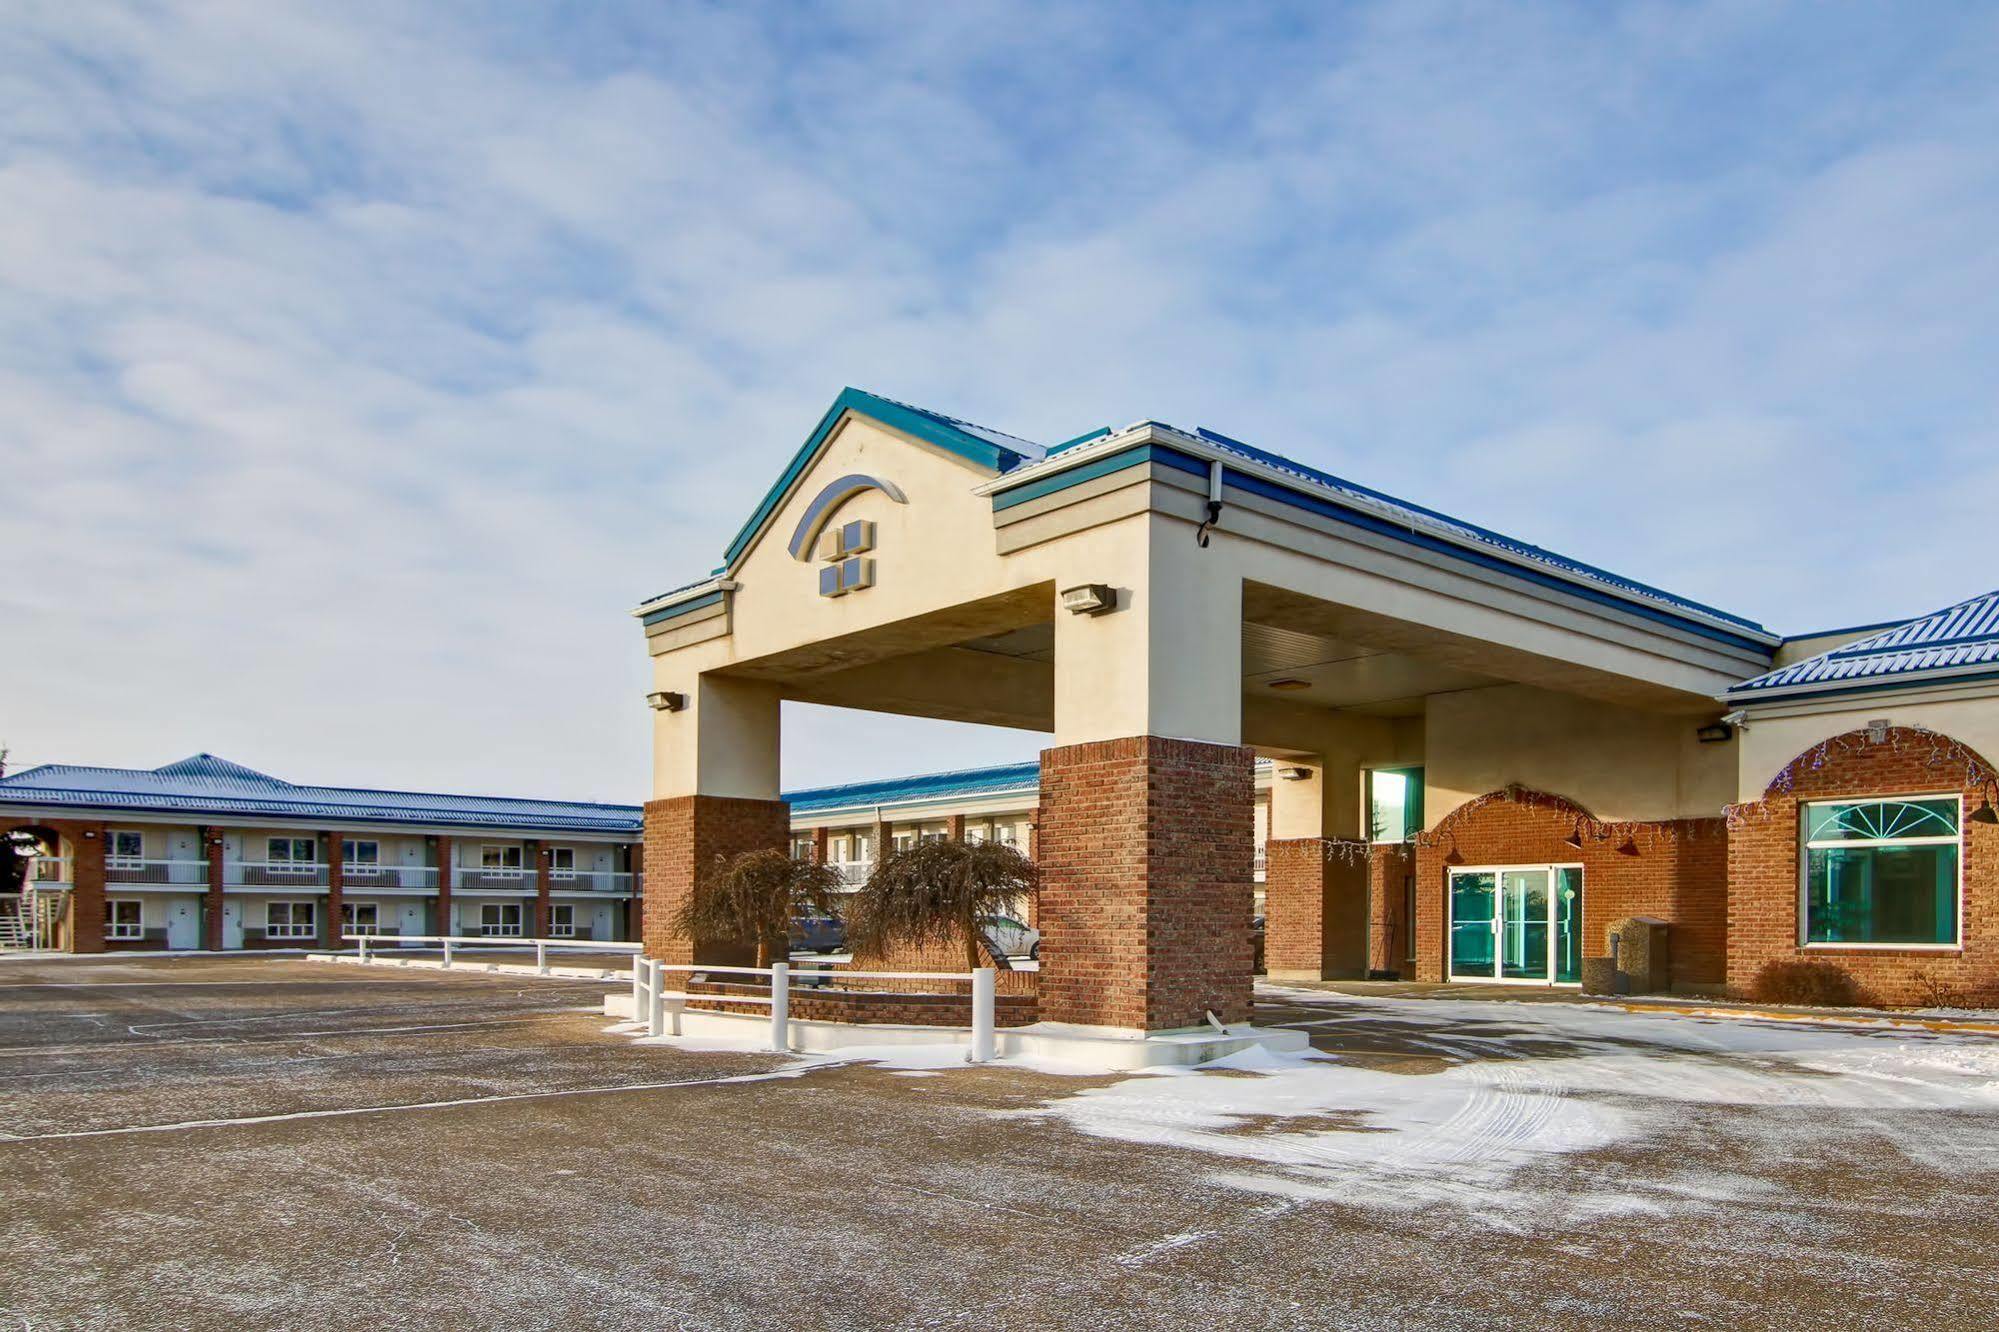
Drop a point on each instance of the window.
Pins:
(361, 854)
(500, 918)
(123, 919)
(500, 858)
(904, 840)
(360, 918)
(562, 862)
(291, 855)
(561, 920)
(1394, 804)
(290, 920)
(127, 849)
(801, 847)
(1882, 872)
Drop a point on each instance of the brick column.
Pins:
(86, 895)
(1314, 908)
(212, 902)
(336, 889)
(443, 885)
(543, 874)
(1145, 853)
(884, 839)
(956, 831)
(820, 836)
(684, 837)
(1389, 946)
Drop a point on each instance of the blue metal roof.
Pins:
(963, 784)
(1955, 641)
(205, 784)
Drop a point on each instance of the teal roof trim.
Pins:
(680, 608)
(987, 448)
(1136, 455)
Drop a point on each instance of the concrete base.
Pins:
(1091, 1049)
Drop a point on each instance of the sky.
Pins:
(363, 365)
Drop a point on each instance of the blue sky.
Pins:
(363, 364)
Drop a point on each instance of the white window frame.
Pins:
(350, 853)
(503, 852)
(291, 864)
(351, 922)
(558, 926)
(1806, 846)
(293, 928)
(562, 862)
(497, 928)
(118, 929)
(1554, 868)
(124, 860)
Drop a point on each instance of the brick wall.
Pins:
(1764, 868)
(684, 836)
(1678, 873)
(1314, 908)
(335, 860)
(1145, 903)
(212, 899)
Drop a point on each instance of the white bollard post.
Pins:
(656, 1000)
(985, 987)
(364, 950)
(780, 1007)
(447, 952)
(638, 987)
(541, 957)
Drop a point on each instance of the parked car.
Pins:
(818, 934)
(1012, 938)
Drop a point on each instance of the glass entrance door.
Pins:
(1517, 923)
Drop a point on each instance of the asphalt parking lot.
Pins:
(227, 1143)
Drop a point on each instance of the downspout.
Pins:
(1214, 504)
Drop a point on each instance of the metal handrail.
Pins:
(540, 946)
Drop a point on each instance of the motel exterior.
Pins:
(1414, 746)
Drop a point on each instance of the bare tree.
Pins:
(751, 898)
(938, 892)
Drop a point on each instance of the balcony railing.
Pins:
(51, 870)
(141, 870)
(273, 874)
(510, 880)
(853, 873)
(1259, 866)
(360, 878)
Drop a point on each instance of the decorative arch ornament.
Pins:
(828, 501)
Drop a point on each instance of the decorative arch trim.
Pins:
(827, 501)
(1512, 794)
(1954, 760)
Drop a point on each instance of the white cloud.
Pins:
(352, 352)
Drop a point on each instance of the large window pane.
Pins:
(1882, 894)
(1394, 804)
(1472, 905)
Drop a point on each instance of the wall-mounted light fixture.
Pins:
(1984, 813)
(1288, 684)
(664, 701)
(1715, 733)
(1294, 774)
(1630, 847)
(1089, 599)
(1574, 841)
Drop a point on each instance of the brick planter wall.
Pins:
(1679, 874)
(1764, 869)
(1145, 849)
(683, 837)
(1314, 908)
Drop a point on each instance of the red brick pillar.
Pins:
(820, 836)
(86, 892)
(544, 874)
(956, 830)
(444, 885)
(213, 901)
(336, 889)
(684, 837)
(1389, 868)
(1145, 853)
(1314, 908)
(884, 839)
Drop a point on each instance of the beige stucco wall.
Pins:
(1769, 742)
(1616, 762)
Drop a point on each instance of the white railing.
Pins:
(137, 869)
(363, 877)
(513, 878)
(274, 873)
(589, 881)
(853, 873)
(449, 941)
(660, 1008)
(1259, 866)
(525, 880)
